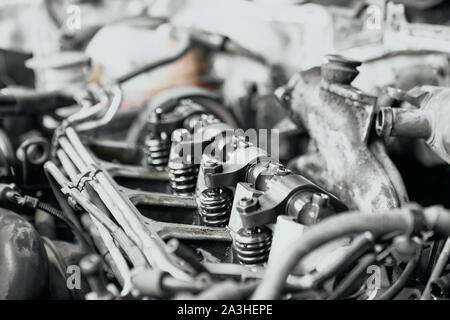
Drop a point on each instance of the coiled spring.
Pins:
(215, 206)
(157, 150)
(252, 245)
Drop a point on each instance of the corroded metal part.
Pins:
(23, 260)
(338, 118)
(428, 118)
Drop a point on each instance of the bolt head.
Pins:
(156, 115)
(179, 135)
(320, 199)
(211, 167)
(246, 205)
(90, 264)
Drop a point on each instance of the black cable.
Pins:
(183, 47)
(31, 202)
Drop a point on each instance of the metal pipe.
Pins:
(147, 239)
(86, 111)
(119, 235)
(112, 110)
(116, 255)
(401, 122)
(440, 288)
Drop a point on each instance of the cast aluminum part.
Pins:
(343, 158)
(386, 29)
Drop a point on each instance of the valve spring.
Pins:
(157, 151)
(252, 245)
(214, 206)
(183, 177)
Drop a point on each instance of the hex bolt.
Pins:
(246, 204)
(211, 166)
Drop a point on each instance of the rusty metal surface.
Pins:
(23, 261)
(338, 118)
(425, 116)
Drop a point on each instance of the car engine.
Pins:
(225, 150)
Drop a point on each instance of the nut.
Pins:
(246, 205)
(211, 167)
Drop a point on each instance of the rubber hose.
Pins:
(400, 220)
